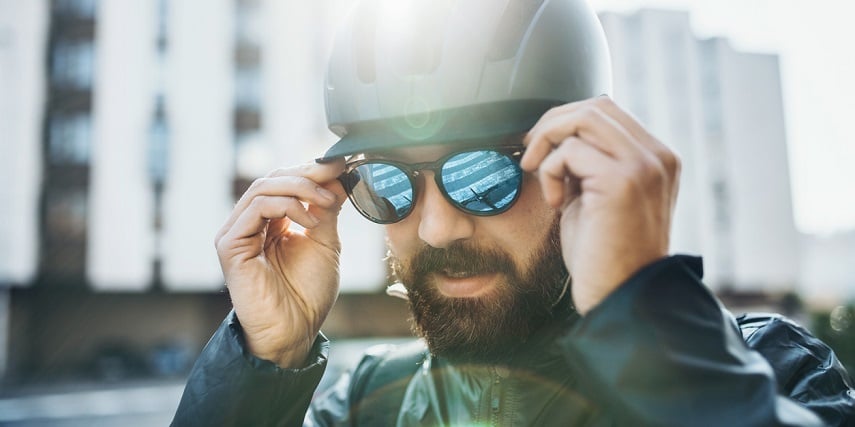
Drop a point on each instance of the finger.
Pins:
(588, 123)
(624, 117)
(667, 159)
(283, 186)
(666, 156)
(563, 109)
(276, 227)
(255, 218)
(326, 232)
(319, 172)
(607, 104)
(301, 187)
(305, 182)
(575, 160)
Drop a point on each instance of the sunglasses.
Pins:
(479, 182)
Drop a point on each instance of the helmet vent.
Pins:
(515, 21)
(419, 46)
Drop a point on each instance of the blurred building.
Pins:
(131, 127)
(129, 130)
(722, 111)
(22, 38)
(828, 270)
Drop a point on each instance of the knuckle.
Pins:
(558, 109)
(642, 169)
(535, 135)
(624, 185)
(589, 113)
(670, 161)
(678, 168)
(300, 181)
(673, 163)
(569, 148)
(303, 169)
(258, 201)
(290, 203)
(256, 185)
(276, 172)
(552, 168)
(287, 206)
(220, 243)
(644, 174)
(604, 101)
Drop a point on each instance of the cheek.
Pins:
(402, 237)
(529, 221)
(531, 211)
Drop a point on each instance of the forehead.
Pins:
(431, 152)
(419, 154)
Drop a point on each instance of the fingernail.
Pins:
(327, 194)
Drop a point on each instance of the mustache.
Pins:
(460, 257)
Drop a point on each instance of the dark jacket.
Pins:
(659, 351)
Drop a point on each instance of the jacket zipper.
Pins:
(495, 396)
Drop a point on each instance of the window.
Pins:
(162, 24)
(63, 255)
(158, 154)
(78, 8)
(253, 157)
(636, 68)
(70, 138)
(66, 214)
(248, 22)
(72, 64)
(721, 197)
(248, 88)
(710, 87)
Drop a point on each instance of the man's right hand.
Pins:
(283, 282)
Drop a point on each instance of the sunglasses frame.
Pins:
(413, 171)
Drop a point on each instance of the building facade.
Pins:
(721, 110)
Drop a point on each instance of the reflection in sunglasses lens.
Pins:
(481, 181)
(384, 191)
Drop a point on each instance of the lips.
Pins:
(458, 274)
(465, 284)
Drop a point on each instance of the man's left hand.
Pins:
(616, 186)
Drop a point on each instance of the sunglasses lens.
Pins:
(482, 182)
(383, 193)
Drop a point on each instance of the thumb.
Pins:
(326, 232)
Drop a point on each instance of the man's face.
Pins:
(478, 286)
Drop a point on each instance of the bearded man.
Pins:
(527, 219)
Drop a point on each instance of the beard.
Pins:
(491, 327)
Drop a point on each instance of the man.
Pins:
(528, 219)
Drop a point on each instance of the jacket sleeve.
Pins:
(807, 369)
(228, 386)
(662, 351)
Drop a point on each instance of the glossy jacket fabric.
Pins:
(659, 351)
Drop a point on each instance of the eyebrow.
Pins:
(395, 154)
(390, 155)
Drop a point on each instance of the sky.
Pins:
(815, 43)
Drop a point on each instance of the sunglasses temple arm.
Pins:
(326, 160)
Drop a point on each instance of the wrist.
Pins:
(288, 357)
(588, 294)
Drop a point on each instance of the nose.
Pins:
(440, 223)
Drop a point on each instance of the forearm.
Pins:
(661, 351)
(229, 386)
